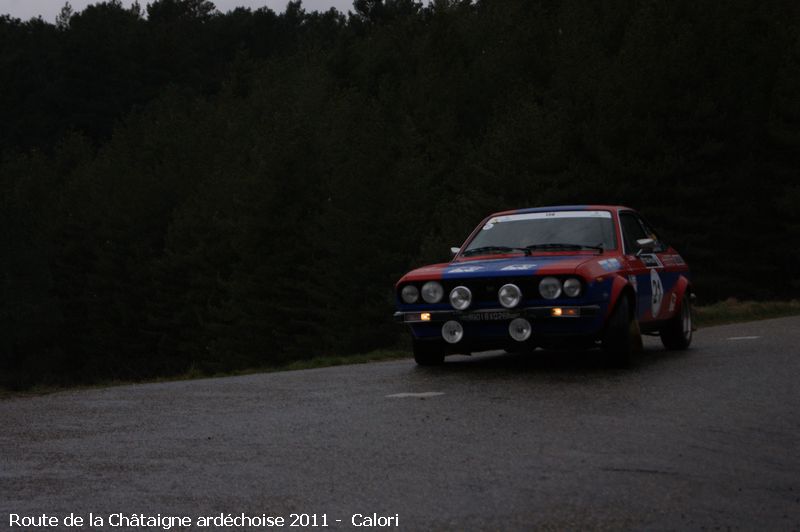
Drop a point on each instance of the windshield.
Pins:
(546, 231)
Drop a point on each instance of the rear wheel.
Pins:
(677, 333)
(622, 341)
(430, 353)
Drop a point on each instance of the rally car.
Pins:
(567, 276)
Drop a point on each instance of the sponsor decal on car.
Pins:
(650, 260)
(610, 265)
(672, 260)
(466, 269)
(519, 267)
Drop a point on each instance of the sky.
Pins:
(48, 9)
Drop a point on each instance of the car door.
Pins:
(644, 269)
(671, 267)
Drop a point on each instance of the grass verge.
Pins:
(192, 374)
(734, 311)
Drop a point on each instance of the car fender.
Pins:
(621, 287)
(682, 288)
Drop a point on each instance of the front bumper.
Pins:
(498, 314)
(489, 328)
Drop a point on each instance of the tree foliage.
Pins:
(183, 188)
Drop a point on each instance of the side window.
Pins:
(631, 232)
(651, 233)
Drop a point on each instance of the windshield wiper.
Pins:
(560, 245)
(498, 249)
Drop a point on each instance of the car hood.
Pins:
(516, 266)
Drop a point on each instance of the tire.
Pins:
(430, 353)
(676, 335)
(622, 341)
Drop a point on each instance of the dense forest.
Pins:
(182, 188)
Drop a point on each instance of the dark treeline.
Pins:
(185, 189)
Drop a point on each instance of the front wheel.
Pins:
(677, 333)
(430, 353)
(622, 341)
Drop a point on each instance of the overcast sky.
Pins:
(48, 9)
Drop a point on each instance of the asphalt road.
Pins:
(704, 439)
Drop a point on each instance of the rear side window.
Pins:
(632, 231)
(650, 232)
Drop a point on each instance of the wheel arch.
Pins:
(683, 288)
(622, 287)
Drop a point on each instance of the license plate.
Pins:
(489, 316)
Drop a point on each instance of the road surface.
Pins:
(703, 439)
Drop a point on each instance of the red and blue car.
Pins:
(568, 276)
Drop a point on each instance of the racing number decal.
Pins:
(657, 292)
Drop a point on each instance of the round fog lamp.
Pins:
(550, 288)
(452, 332)
(432, 292)
(520, 329)
(572, 287)
(509, 295)
(409, 293)
(460, 297)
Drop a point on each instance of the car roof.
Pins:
(555, 208)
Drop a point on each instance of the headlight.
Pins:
(550, 288)
(432, 292)
(572, 287)
(520, 329)
(409, 293)
(509, 295)
(452, 332)
(460, 297)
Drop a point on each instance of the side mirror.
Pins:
(646, 245)
(454, 250)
